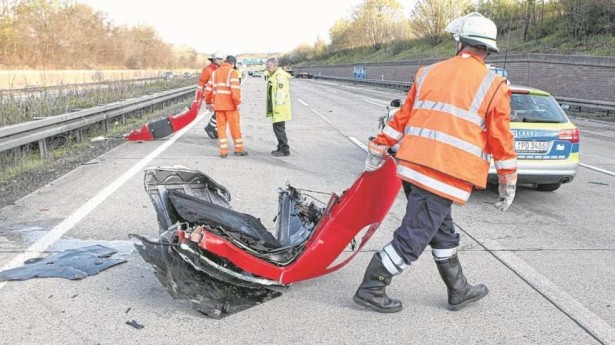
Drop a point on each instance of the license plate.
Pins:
(531, 146)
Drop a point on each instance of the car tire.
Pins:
(548, 187)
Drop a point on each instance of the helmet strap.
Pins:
(459, 47)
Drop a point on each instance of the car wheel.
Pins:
(548, 187)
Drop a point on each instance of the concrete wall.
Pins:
(583, 77)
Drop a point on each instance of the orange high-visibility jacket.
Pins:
(206, 75)
(454, 120)
(223, 90)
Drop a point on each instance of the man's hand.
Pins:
(198, 95)
(507, 188)
(210, 107)
(238, 107)
(375, 156)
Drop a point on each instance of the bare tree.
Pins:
(379, 21)
(429, 17)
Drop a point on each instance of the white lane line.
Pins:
(379, 104)
(597, 169)
(328, 83)
(321, 116)
(59, 230)
(358, 143)
(302, 102)
(329, 90)
(365, 90)
(592, 323)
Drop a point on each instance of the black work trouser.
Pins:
(279, 129)
(427, 221)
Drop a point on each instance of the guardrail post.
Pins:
(42, 147)
(79, 135)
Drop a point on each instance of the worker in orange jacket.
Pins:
(223, 94)
(454, 121)
(216, 59)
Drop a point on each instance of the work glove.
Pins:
(198, 95)
(375, 156)
(507, 187)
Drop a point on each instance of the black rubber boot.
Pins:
(371, 292)
(211, 129)
(460, 293)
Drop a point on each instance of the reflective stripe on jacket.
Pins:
(455, 118)
(279, 97)
(223, 90)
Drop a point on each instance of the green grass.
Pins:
(555, 42)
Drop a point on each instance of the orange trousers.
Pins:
(232, 118)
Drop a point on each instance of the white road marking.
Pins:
(302, 102)
(358, 143)
(364, 90)
(560, 299)
(328, 83)
(321, 116)
(597, 169)
(379, 104)
(59, 230)
(329, 90)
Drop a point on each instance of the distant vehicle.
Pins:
(305, 75)
(257, 74)
(168, 75)
(546, 141)
(187, 75)
(250, 72)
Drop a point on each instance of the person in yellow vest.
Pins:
(223, 94)
(278, 104)
(454, 120)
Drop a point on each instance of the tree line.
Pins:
(375, 23)
(63, 34)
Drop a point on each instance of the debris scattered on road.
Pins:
(127, 310)
(99, 139)
(70, 264)
(210, 296)
(135, 324)
(599, 183)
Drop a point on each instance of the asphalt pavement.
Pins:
(548, 260)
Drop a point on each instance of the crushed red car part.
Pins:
(199, 227)
(163, 127)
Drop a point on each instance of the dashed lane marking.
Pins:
(375, 103)
(358, 143)
(321, 116)
(302, 102)
(597, 169)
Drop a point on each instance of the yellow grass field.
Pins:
(13, 79)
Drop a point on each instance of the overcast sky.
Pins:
(234, 27)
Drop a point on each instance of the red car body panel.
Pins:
(363, 205)
(177, 122)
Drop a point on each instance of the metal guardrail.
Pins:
(608, 107)
(39, 130)
(385, 83)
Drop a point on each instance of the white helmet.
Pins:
(474, 29)
(218, 55)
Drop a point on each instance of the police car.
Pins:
(546, 141)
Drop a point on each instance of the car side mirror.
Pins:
(396, 103)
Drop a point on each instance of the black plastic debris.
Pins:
(135, 324)
(70, 264)
(210, 296)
